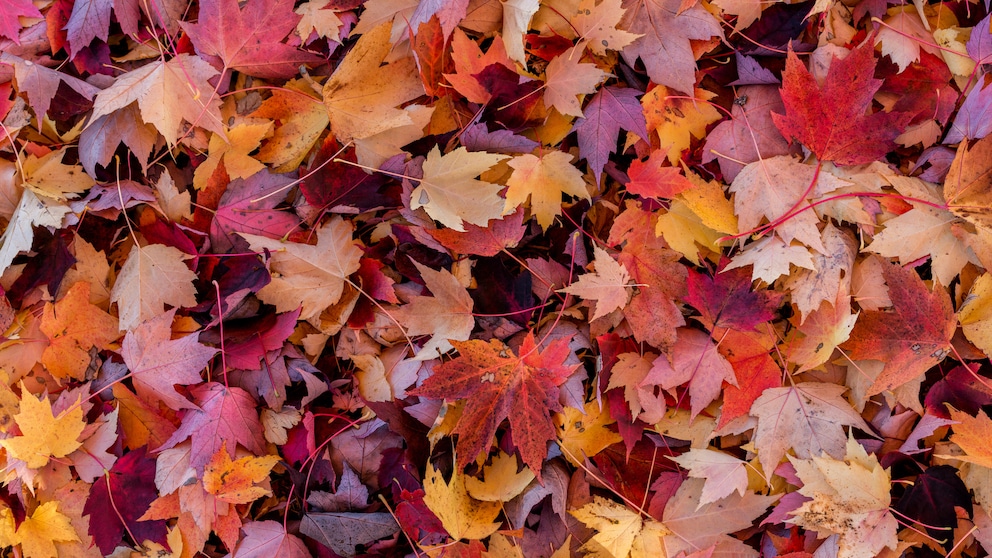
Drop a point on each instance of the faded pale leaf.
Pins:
(152, 277)
(608, 285)
(450, 192)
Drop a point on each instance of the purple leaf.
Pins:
(608, 111)
(974, 119)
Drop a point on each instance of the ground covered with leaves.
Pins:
(698, 278)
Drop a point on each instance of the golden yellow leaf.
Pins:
(463, 517)
(975, 315)
(301, 119)
(583, 434)
(616, 526)
(234, 152)
(450, 193)
(38, 534)
(676, 119)
(972, 434)
(43, 435)
(501, 480)
(362, 95)
(74, 326)
(543, 180)
(47, 176)
(234, 481)
(597, 23)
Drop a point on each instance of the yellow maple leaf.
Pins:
(47, 176)
(234, 152)
(362, 95)
(543, 180)
(501, 480)
(301, 119)
(608, 285)
(451, 194)
(43, 435)
(976, 314)
(74, 326)
(616, 526)
(463, 517)
(583, 433)
(38, 533)
(677, 119)
(234, 481)
(972, 434)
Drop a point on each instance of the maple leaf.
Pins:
(664, 47)
(233, 150)
(469, 61)
(497, 385)
(158, 362)
(234, 481)
(463, 517)
(607, 285)
(695, 360)
(922, 232)
(152, 276)
(543, 180)
(38, 533)
(609, 110)
(74, 326)
(311, 276)
(264, 539)
(566, 77)
(634, 373)
(771, 187)
(501, 480)
(975, 314)
(224, 415)
(823, 330)
(831, 120)
(652, 313)
(167, 93)
(362, 95)
(248, 38)
(44, 435)
(41, 84)
(31, 211)
(99, 139)
(677, 119)
(499, 235)
(807, 417)
(770, 259)
(447, 315)
(727, 301)
(301, 119)
(914, 337)
(596, 25)
(750, 134)
(968, 185)
(850, 498)
(450, 193)
(115, 504)
(722, 474)
(10, 11)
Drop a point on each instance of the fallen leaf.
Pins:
(74, 326)
(44, 435)
(607, 285)
(450, 193)
(463, 517)
(543, 180)
(447, 315)
(152, 277)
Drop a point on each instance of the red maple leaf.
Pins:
(249, 39)
(911, 338)
(496, 385)
(121, 497)
(727, 301)
(228, 414)
(832, 120)
(10, 10)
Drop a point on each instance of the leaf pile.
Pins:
(542, 278)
